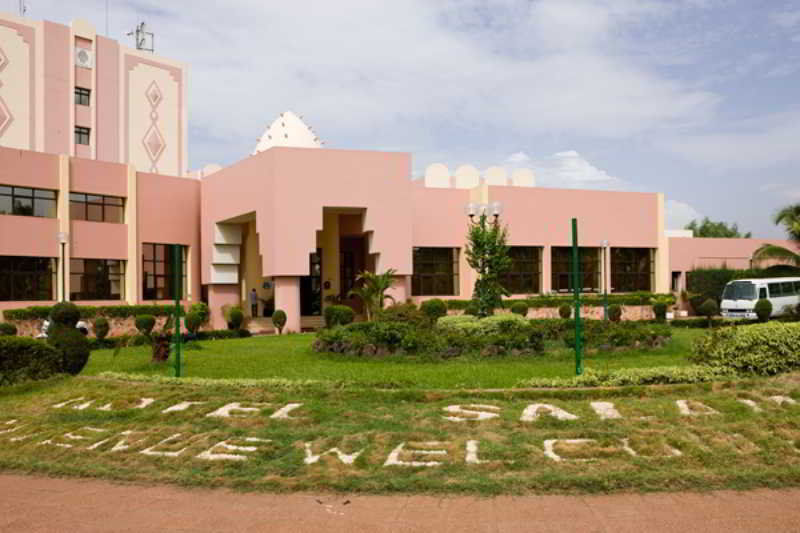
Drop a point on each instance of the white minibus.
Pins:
(740, 296)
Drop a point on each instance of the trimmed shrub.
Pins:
(763, 349)
(433, 309)
(40, 312)
(660, 311)
(615, 312)
(216, 334)
(763, 309)
(65, 314)
(551, 328)
(338, 315)
(202, 311)
(145, 324)
(472, 308)
(520, 308)
(72, 345)
(599, 333)
(101, 328)
(193, 321)
(7, 328)
(464, 324)
(709, 309)
(24, 358)
(660, 375)
(279, 320)
(565, 311)
(243, 333)
(405, 312)
(235, 318)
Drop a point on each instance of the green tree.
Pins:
(709, 228)
(789, 217)
(487, 254)
(373, 290)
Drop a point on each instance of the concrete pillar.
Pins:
(220, 295)
(62, 209)
(287, 298)
(546, 269)
(400, 291)
(606, 268)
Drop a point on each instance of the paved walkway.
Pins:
(33, 504)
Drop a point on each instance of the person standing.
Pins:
(253, 303)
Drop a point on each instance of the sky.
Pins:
(697, 99)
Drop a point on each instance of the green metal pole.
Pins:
(576, 287)
(177, 277)
(605, 284)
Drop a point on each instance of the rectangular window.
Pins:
(775, 290)
(29, 202)
(435, 272)
(96, 279)
(96, 208)
(523, 278)
(632, 269)
(82, 135)
(157, 272)
(561, 275)
(676, 281)
(82, 96)
(27, 278)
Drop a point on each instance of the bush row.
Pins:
(763, 349)
(88, 311)
(538, 302)
(659, 375)
(704, 283)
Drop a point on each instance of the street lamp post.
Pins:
(606, 276)
(63, 238)
(494, 209)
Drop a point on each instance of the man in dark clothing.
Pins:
(253, 303)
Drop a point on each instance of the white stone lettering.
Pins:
(212, 455)
(473, 411)
(394, 456)
(605, 410)
(72, 436)
(751, 404)
(83, 406)
(550, 448)
(472, 453)
(283, 412)
(106, 407)
(531, 413)
(310, 458)
(67, 402)
(780, 400)
(182, 406)
(671, 452)
(144, 402)
(699, 409)
(13, 424)
(152, 449)
(229, 410)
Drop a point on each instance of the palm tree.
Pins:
(789, 216)
(373, 290)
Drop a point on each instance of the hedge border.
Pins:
(35, 312)
(554, 301)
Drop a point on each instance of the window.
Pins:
(676, 281)
(82, 96)
(27, 202)
(27, 278)
(95, 208)
(632, 269)
(762, 293)
(435, 272)
(82, 135)
(561, 275)
(523, 278)
(96, 279)
(157, 272)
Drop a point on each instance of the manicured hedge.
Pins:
(88, 311)
(23, 358)
(707, 283)
(764, 349)
(589, 300)
(659, 375)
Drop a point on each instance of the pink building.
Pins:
(93, 186)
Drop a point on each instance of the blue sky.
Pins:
(694, 98)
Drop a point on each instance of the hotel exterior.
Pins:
(94, 186)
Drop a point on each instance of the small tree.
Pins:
(709, 309)
(487, 254)
(615, 312)
(433, 309)
(145, 324)
(565, 311)
(279, 319)
(101, 328)
(373, 290)
(763, 309)
(520, 308)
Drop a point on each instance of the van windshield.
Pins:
(739, 290)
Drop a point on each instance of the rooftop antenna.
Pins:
(23, 8)
(143, 38)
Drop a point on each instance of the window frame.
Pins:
(449, 278)
(562, 266)
(151, 293)
(103, 202)
(631, 280)
(83, 133)
(83, 96)
(35, 196)
(522, 267)
(40, 290)
(102, 278)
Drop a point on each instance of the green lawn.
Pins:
(291, 357)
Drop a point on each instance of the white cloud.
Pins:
(518, 158)
(786, 19)
(678, 214)
(571, 170)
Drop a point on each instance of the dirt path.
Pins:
(43, 504)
